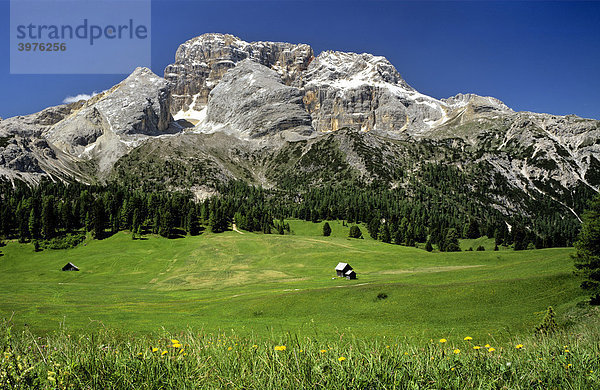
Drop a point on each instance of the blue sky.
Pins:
(534, 56)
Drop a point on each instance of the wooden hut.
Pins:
(70, 267)
(342, 268)
(350, 274)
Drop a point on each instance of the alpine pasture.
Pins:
(271, 285)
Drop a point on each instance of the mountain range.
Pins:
(275, 115)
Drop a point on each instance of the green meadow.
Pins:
(270, 286)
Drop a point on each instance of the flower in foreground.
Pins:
(487, 346)
(323, 351)
(468, 338)
(443, 341)
(173, 341)
(519, 346)
(280, 348)
(477, 347)
(154, 349)
(164, 353)
(492, 349)
(457, 351)
(341, 358)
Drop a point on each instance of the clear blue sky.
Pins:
(534, 56)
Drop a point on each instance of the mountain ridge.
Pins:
(273, 113)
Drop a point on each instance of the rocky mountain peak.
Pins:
(201, 62)
(349, 70)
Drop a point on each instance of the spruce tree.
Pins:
(472, 229)
(326, 229)
(587, 257)
(428, 246)
(385, 234)
(355, 232)
(451, 241)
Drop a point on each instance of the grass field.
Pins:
(269, 285)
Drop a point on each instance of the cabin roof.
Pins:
(341, 266)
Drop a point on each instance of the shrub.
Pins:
(381, 296)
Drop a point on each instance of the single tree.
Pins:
(384, 233)
(587, 257)
(472, 229)
(355, 232)
(326, 229)
(428, 246)
(451, 241)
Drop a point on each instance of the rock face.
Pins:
(253, 100)
(202, 61)
(365, 92)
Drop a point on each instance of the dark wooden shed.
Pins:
(350, 274)
(70, 267)
(342, 268)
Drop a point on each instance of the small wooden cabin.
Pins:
(342, 268)
(70, 267)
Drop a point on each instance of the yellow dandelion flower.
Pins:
(181, 351)
(280, 348)
(173, 341)
(341, 359)
(164, 353)
(468, 338)
(301, 351)
(177, 345)
(323, 351)
(140, 354)
(477, 347)
(387, 346)
(406, 353)
(154, 349)
(567, 351)
(519, 346)
(452, 369)
(457, 351)
(229, 348)
(255, 346)
(487, 346)
(443, 341)
(491, 349)
(569, 365)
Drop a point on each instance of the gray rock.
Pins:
(107, 125)
(202, 61)
(365, 92)
(253, 100)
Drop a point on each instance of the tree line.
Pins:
(53, 209)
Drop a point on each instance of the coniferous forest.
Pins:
(58, 215)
